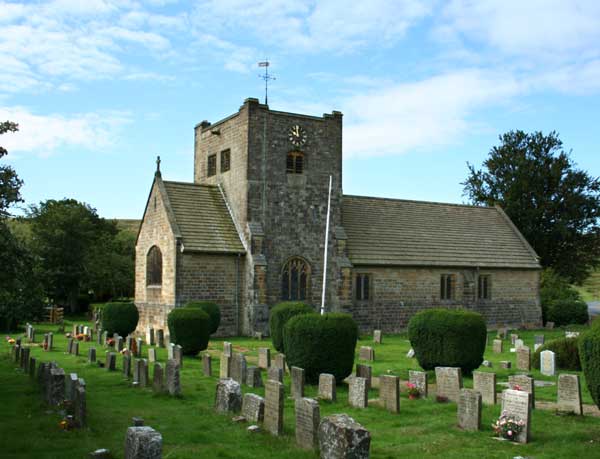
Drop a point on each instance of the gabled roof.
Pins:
(398, 232)
(203, 218)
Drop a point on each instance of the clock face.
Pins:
(297, 135)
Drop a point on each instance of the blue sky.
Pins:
(101, 87)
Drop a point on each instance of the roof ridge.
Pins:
(380, 198)
(199, 185)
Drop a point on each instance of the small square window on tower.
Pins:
(295, 162)
(225, 160)
(211, 166)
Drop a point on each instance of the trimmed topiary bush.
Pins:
(321, 344)
(589, 352)
(567, 354)
(213, 311)
(189, 327)
(567, 312)
(279, 316)
(448, 338)
(121, 318)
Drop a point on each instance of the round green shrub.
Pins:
(279, 316)
(321, 344)
(213, 311)
(567, 312)
(448, 338)
(189, 327)
(121, 318)
(589, 352)
(566, 353)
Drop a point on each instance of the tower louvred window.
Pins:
(295, 162)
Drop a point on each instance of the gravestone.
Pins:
(505, 364)
(71, 383)
(536, 347)
(253, 408)
(138, 350)
(366, 353)
(56, 393)
(280, 361)
(225, 366)
(569, 394)
(70, 346)
(523, 358)
(485, 384)
(229, 396)
(358, 392)
(92, 355)
(160, 337)
(503, 333)
(253, 377)
(227, 349)
(513, 338)
(32, 364)
(104, 337)
(75, 348)
(151, 354)
(238, 368)
(144, 379)
(449, 382)
(158, 384)
(119, 343)
(517, 403)
(327, 389)
(111, 361)
(519, 343)
(136, 368)
(24, 364)
(377, 337)
(173, 378)
(79, 406)
(419, 379)
(178, 355)
(143, 443)
(264, 357)
(308, 417)
(571, 334)
(548, 363)
(469, 409)
(297, 382)
(99, 337)
(364, 371)
(549, 325)
(127, 367)
(275, 374)
(341, 437)
(497, 346)
(539, 339)
(274, 397)
(171, 351)
(524, 383)
(129, 344)
(389, 392)
(207, 364)
(150, 336)
(411, 353)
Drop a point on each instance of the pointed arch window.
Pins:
(295, 279)
(154, 266)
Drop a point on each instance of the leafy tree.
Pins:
(554, 205)
(10, 184)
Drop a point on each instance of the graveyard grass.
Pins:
(191, 429)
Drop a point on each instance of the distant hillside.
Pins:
(128, 224)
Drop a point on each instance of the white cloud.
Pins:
(43, 135)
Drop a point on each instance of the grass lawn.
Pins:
(191, 429)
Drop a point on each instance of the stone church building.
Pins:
(249, 232)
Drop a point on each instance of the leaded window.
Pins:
(484, 287)
(294, 280)
(362, 287)
(447, 286)
(211, 166)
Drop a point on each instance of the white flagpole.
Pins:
(325, 255)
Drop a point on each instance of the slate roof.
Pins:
(398, 232)
(203, 218)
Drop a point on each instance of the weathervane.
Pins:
(266, 77)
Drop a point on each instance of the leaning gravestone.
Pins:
(207, 364)
(358, 392)
(297, 382)
(419, 379)
(366, 353)
(264, 357)
(364, 371)
(449, 382)
(524, 383)
(469, 409)
(173, 378)
(238, 368)
(275, 374)
(327, 388)
(497, 346)
(377, 337)
(225, 366)
(143, 443)
(517, 403)
(389, 392)
(253, 377)
(253, 408)
(274, 397)
(523, 358)
(229, 396)
(341, 437)
(569, 394)
(548, 363)
(308, 417)
(485, 384)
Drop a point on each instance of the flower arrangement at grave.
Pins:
(110, 342)
(80, 337)
(413, 391)
(10, 340)
(508, 427)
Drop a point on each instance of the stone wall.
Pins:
(397, 293)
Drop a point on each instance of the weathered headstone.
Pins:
(24, 364)
(358, 392)
(143, 371)
(139, 344)
(341, 437)
(327, 388)
(364, 371)
(275, 373)
(173, 378)
(129, 344)
(178, 355)
(419, 379)
(75, 348)
(32, 364)
(79, 406)
(143, 443)
(227, 349)
(523, 358)
(469, 409)
(497, 346)
(238, 368)
(253, 377)
(377, 337)
(104, 337)
(207, 364)
(297, 382)
(158, 378)
(119, 343)
(99, 337)
(56, 393)
(366, 353)
(448, 382)
(225, 366)
(503, 333)
(264, 357)
(517, 404)
(253, 408)
(519, 344)
(71, 383)
(127, 368)
(569, 394)
(150, 336)
(160, 337)
(524, 383)
(70, 346)
(485, 384)
(280, 361)
(92, 355)
(548, 363)
(274, 398)
(171, 351)
(513, 338)
(111, 361)
(411, 353)
(505, 364)
(229, 396)
(389, 392)
(308, 417)
(151, 354)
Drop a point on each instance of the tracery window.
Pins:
(294, 280)
(154, 266)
